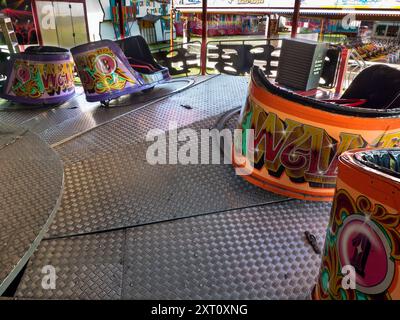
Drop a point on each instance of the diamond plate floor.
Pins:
(129, 230)
(31, 181)
(209, 99)
(55, 125)
(121, 189)
(253, 253)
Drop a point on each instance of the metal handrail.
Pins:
(176, 45)
(194, 63)
(242, 41)
(354, 70)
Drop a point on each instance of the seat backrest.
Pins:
(136, 47)
(44, 50)
(379, 85)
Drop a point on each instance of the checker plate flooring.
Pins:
(128, 230)
(252, 253)
(31, 182)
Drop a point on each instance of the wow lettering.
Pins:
(306, 154)
(35, 80)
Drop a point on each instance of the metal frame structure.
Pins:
(296, 12)
(296, 16)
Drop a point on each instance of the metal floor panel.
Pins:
(253, 253)
(110, 185)
(207, 100)
(121, 189)
(93, 115)
(16, 117)
(56, 124)
(18, 114)
(126, 229)
(31, 181)
(87, 267)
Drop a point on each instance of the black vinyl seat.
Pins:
(361, 111)
(45, 50)
(138, 53)
(379, 85)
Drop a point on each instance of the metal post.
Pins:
(203, 56)
(296, 15)
(121, 19)
(344, 60)
(36, 22)
(171, 27)
(267, 25)
(321, 33)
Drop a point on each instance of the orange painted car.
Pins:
(298, 138)
(361, 256)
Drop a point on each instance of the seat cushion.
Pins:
(379, 85)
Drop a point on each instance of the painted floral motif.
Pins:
(365, 236)
(37, 80)
(100, 72)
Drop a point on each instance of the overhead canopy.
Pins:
(361, 14)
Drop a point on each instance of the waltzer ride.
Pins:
(300, 132)
(40, 76)
(109, 70)
(44, 76)
(362, 246)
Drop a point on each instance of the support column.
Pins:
(203, 56)
(121, 18)
(267, 25)
(321, 33)
(171, 26)
(344, 60)
(296, 15)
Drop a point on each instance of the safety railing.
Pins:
(236, 57)
(182, 60)
(355, 66)
(233, 57)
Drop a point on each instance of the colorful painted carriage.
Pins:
(107, 73)
(40, 76)
(107, 69)
(361, 256)
(298, 138)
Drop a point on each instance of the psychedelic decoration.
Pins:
(106, 73)
(297, 139)
(40, 76)
(361, 257)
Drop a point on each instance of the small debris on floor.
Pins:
(312, 240)
(186, 106)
